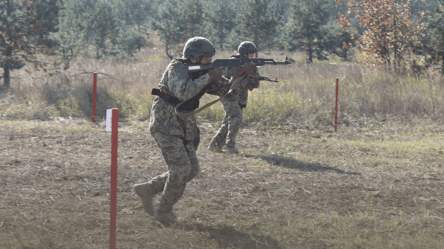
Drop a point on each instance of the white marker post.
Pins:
(109, 114)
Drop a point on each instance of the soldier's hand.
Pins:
(216, 73)
(253, 82)
(250, 87)
(248, 69)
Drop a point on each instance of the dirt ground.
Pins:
(290, 187)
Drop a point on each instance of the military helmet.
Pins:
(246, 47)
(198, 46)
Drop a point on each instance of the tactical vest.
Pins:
(190, 104)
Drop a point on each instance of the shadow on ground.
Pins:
(229, 237)
(291, 163)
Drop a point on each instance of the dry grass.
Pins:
(304, 91)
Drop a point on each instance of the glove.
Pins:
(215, 73)
(248, 69)
(250, 87)
(253, 82)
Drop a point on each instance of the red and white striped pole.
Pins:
(94, 97)
(113, 208)
(336, 106)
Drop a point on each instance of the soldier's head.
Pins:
(247, 49)
(199, 50)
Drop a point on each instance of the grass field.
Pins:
(375, 183)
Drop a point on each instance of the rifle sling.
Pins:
(175, 101)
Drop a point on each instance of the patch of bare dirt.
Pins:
(55, 192)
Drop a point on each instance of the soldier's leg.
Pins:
(146, 191)
(234, 122)
(195, 168)
(219, 140)
(180, 167)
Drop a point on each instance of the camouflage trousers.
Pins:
(230, 125)
(183, 166)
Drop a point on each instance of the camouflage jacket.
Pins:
(243, 95)
(177, 82)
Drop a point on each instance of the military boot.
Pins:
(166, 219)
(230, 149)
(146, 192)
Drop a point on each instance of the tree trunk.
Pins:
(256, 42)
(7, 69)
(310, 56)
(166, 50)
(442, 66)
(6, 77)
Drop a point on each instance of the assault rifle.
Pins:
(236, 62)
(260, 77)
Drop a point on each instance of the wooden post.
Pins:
(113, 203)
(336, 105)
(94, 97)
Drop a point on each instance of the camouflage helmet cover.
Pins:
(198, 46)
(246, 47)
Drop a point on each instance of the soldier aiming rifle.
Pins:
(226, 135)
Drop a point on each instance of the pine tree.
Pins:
(170, 26)
(192, 18)
(93, 23)
(133, 12)
(433, 43)
(256, 21)
(219, 22)
(104, 29)
(25, 27)
(304, 31)
(338, 41)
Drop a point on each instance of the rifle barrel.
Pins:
(236, 63)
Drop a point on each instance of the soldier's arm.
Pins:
(181, 85)
(253, 81)
(219, 87)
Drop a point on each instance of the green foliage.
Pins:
(24, 33)
(256, 21)
(85, 23)
(337, 41)
(304, 30)
(219, 22)
(103, 29)
(433, 43)
(133, 12)
(128, 41)
(192, 19)
(169, 25)
(100, 27)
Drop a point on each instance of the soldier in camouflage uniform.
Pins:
(175, 135)
(225, 139)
